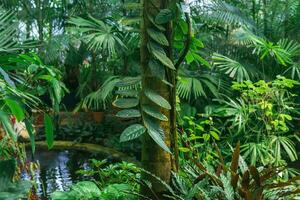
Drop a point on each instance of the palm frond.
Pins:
(99, 35)
(7, 31)
(100, 98)
(231, 67)
(223, 12)
(195, 87)
(293, 71)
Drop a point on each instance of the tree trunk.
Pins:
(40, 25)
(265, 20)
(154, 158)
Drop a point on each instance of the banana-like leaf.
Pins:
(16, 109)
(157, 99)
(132, 132)
(31, 132)
(49, 130)
(7, 125)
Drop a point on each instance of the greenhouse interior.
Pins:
(149, 99)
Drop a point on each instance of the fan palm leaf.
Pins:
(231, 67)
(195, 87)
(98, 35)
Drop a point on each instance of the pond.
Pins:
(58, 170)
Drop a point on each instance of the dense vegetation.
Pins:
(204, 94)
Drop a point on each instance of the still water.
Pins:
(58, 170)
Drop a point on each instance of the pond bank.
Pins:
(87, 147)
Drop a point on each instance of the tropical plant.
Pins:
(261, 118)
(98, 35)
(113, 182)
(233, 180)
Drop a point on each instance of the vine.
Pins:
(159, 65)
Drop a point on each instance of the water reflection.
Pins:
(58, 170)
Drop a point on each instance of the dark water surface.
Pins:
(58, 170)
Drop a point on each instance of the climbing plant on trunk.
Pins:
(155, 103)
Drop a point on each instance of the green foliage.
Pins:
(231, 67)
(232, 180)
(99, 36)
(49, 130)
(82, 190)
(113, 182)
(129, 113)
(101, 97)
(126, 102)
(197, 137)
(8, 188)
(159, 53)
(261, 118)
(157, 99)
(192, 88)
(132, 132)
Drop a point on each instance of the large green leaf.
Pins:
(31, 132)
(157, 99)
(156, 133)
(128, 113)
(160, 54)
(153, 112)
(126, 103)
(132, 132)
(7, 125)
(158, 37)
(57, 90)
(49, 130)
(16, 109)
(164, 16)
